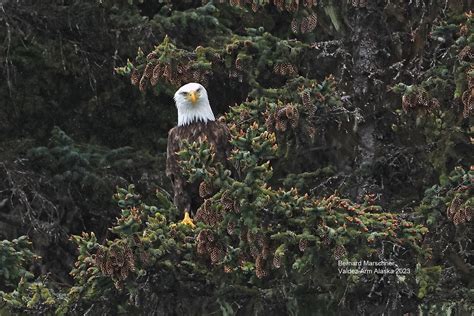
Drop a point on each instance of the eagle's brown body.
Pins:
(186, 195)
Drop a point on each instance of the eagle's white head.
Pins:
(192, 104)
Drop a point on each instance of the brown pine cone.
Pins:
(135, 77)
(231, 227)
(215, 255)
(303, 245)
(277, 260)
(304, 27)
(339, 252)
(260, 270)
(143, 84)
(306, 99)
(148, 72)
(205, 189)
(157, 70)
(294, 26)
(312, 21)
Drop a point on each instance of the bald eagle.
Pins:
(196, 122)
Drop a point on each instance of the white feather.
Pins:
(189, 112)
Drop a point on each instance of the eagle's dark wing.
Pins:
(172, 167)
(220, 138)
(186, 197)
(181, 198)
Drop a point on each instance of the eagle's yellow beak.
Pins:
(193, 96)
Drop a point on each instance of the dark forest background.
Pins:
(351, 124)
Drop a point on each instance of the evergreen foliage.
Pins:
(351, 126)
(15, 256)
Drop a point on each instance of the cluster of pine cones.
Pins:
(207, 242)
(309, 108)
(259, 248)
(419, 99)
(205, 189)
(339, 252)
(208, 215)
(468, 98)
(282, 118)
(466, 54)
(208, 245)
(304, 25)
(116, 262)
(285, 69)
(458, 212)
(294, 5)
(176, 75)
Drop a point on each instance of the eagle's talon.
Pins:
(187, 220)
